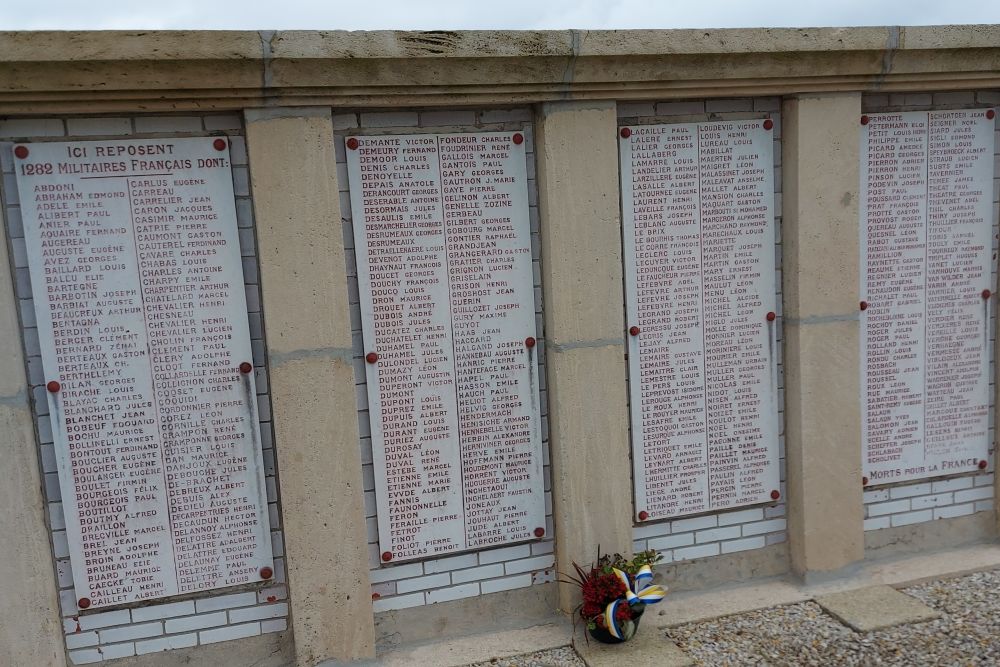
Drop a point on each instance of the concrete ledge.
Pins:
(930, 535)
(186, 45)
(475, 648)
(704, 573)
(271, 650)
(508, 610)
(97, 72)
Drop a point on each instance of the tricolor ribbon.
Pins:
(639, 590)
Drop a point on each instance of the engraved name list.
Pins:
(142, 322)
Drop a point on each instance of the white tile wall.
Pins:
(96, 636)
(487, 571)
(688, 538)
(921, 501)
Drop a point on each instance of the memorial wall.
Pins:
(929, 238)
(137, 284)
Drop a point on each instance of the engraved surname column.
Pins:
(493, 315)
(737, 229)
(894, 245)
(130, 434)
(195, 305)
(403, 278)
(662, 221)
(959, 248)
(80, 237)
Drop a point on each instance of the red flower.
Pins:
(599, 590)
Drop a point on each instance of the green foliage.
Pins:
(649, 557)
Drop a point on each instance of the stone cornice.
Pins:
(90, 72)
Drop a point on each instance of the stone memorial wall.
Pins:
(929, 238)
(479, 281)
(700, 207)
(137, 278)
(133, 253)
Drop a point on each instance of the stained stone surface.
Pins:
(649, 648)
(875, 608)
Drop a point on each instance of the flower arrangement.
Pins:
(615, 592)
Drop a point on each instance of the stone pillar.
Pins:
(30, 628)
(308, 333)
(577, 153)
(820, 158)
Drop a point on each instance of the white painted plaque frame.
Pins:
(697, 205)
(138, 290)
(926, 221)
(443, 245)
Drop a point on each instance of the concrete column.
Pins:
(307, 328)
(30, 629)
(820, 158)
(995, 445)
(577, 154)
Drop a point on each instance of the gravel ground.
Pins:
(803, 635)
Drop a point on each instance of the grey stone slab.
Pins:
(875, 607)
(648, 648)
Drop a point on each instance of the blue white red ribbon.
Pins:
(638, 590)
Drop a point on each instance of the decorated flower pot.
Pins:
(628, 628)
(614, 598)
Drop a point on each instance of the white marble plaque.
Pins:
(142, 321)
(926, 247)
(443, 246)
(698, 216)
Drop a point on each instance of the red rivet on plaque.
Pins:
(21, 151)
(518, 138)
(272, 598)
(643, 515)
(83, 603)
(529, 342)
(352, 143)
(53, 386)
(220, 144)
(771, 315)
(991, 114)
(982, 465)
(626, 133)
(864, 305)
(768, 124)
(539, 532)
(633, 331)
(987, 294)
(246, 367)
(376, 596)
(371, 357)
(864, 120)
(864, 481)
(775, 494)
(386, 556)
(266, 573)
